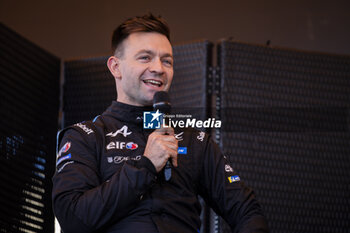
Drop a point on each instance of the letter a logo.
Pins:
(123, 131)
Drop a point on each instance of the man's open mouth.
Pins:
(153, 82)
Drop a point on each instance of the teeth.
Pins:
(153, 82)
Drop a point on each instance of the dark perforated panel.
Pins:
(257, 76)
(285, 126)
(188, 92)
(88, 90)
(29, 98)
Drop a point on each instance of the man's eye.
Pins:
(168, 62)
(144, 58)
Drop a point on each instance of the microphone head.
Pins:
(161, 102)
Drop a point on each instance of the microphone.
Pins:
(161, 102)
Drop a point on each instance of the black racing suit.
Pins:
(103, 183)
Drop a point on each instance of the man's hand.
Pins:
(162, 146)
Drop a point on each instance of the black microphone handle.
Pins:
(167, 170)
(161, 102)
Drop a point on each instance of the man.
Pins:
(109, 171)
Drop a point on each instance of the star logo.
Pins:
(156, 115)
(152, 120)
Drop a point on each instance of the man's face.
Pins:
(145, 67)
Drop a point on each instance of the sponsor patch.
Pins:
(123, 131)
(233, 179)
(201, 136)
(64, 148)
(182, 150)
(119, 159)
(86, 129)
(131, 146)
(228, 168)
(122, 145)
(63, 158)
(179, 136)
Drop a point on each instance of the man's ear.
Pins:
(113, 64)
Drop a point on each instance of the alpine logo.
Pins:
(123, 131)
(122, 145)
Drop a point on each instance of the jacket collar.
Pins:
(127, 113)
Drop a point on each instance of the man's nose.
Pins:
(156, 66)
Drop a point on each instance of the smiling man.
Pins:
(108, 176)
(150, 56)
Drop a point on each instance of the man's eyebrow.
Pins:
(150, 52)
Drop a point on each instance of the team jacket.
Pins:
(103, 183)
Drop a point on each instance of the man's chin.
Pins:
(147, 101)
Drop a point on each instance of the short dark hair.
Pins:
(146, 23)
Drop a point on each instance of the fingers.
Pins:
(169, 149)
(162, 146)
(169, 138)
(165, 130)
(170, 153)
(174, 160)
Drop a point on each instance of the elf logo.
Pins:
(122, 145)
(131, 146)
